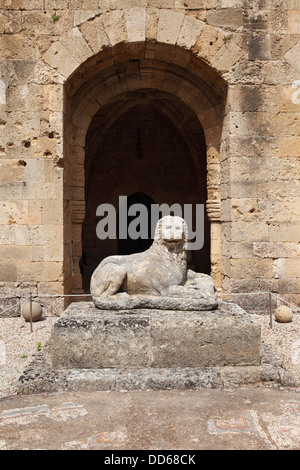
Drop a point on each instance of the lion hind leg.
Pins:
(108, 280)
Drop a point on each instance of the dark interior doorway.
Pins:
(147, 153)
(129, 245)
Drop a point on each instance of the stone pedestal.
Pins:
(149, 349)
(86, 338)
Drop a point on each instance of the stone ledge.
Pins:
(41, 377)
(125, 301)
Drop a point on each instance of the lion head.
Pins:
(172, 231)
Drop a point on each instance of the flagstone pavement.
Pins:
(247, 418)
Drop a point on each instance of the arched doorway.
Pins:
(145, 154)
(117, 114)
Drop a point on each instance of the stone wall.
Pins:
(233, 63)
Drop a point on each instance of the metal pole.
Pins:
(30, 312)
(270, 309)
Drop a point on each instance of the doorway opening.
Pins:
(135, 124)
(147, 153)
(129, 245)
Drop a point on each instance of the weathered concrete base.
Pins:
(144, 350)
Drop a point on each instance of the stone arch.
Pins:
(140, 49)
(141, 29)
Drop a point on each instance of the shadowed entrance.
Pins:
(146, 155)
(141, 125)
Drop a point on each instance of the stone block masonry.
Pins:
(222, 79)
(151, 350)
(154, 338)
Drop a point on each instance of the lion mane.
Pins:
(178, 252)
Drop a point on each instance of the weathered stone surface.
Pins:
(153, 338)
(135, 19)
(283, 314)
(10, 306)
(123, 300)
(169, 25)
(292, 56)
(189, 32)
(234, 65)
(94, 33)
(41, 376)
(59, 58)
(155, 278)
(132, 347)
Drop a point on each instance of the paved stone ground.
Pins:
(245, 418)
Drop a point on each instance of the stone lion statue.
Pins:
(155, 277)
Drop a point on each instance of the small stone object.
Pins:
(283, 314)
(36, 311)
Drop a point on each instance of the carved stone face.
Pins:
(172, 230)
